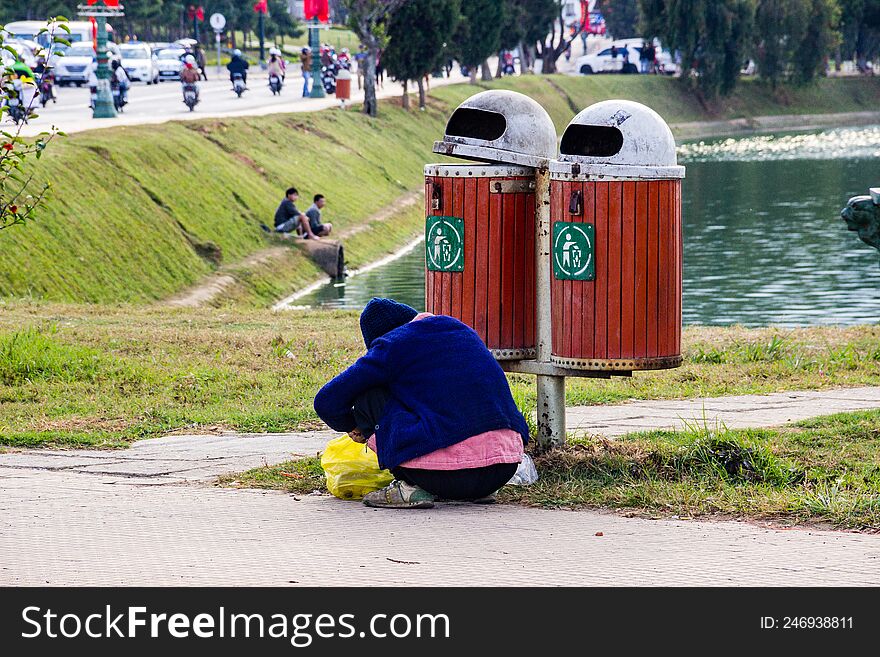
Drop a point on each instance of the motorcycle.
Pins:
(238, 84)
(275, 84)
(17, 112)
(120, 98)
(47, 89)
(328, 78)
(190, 95)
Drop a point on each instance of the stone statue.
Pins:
(862, 215)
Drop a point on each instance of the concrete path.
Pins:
(736, 412)
(149, 515)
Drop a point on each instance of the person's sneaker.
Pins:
(399, 495)
(489, 499)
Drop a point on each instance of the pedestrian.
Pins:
(305, 58)
(429, 398)
(360, 60)
(644, 57)
(201, 63)
(652, 58)
(314, 215)
(288, 218)
(380, 72)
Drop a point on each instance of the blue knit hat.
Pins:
(383, 315)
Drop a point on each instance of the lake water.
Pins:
(763, 240)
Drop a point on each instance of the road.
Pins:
(164, 102)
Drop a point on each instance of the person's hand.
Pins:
(357, 436)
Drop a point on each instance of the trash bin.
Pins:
(343, 86)
(480, 224)
(616, 243)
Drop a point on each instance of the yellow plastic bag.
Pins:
(352, 469)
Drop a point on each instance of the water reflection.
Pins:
(763, 243)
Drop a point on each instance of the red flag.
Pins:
(109, 3)
(319, 9)
(261, 7)
(200, 13)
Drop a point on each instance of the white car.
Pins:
(170, 63)
(26, 51)
(73, 68)
(139, 62)
(628, 52)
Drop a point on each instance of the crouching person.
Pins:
(432, 402)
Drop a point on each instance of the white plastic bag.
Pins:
(526, 474)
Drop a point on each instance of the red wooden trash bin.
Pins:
(343, 85)
(616, 246)
(480, 223)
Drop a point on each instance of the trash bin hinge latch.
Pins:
(436, 197)
(512, 186)
(576, 203)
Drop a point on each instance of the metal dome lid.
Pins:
(500, 126)
(619, 138)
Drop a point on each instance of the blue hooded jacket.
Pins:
(445, 387)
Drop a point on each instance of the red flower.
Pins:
(8, 146)
(13, 209)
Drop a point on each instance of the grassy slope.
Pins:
(131, 203)
(98, 375)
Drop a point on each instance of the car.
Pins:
(626, 61)
(170, 64)
(73, 68)
(139, 62)
(25, 51)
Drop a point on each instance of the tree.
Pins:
(417, 35)
(18, 198)
(793, 38)
(368, 18)
(479, 32)
(711, 35)
(859, 27)
(549, 48)
(621, 17)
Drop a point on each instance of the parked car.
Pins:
(25, 51)
(170, 63)
(139, 62)
(626, 61)
(73, 68)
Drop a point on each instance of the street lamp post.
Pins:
(104, 108)
(315, 45)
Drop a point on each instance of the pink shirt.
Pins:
(490, 448)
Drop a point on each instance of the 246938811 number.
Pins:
(817, 622)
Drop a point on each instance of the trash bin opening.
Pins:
(476, 124)
(591, 141)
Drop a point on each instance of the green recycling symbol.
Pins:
(573, 251)
(444, 243)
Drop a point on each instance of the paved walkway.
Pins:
(148, 515)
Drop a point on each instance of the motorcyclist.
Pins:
(21, 85)
(190, 75)
(45, 77)
(119, 78)
(237, 64)
(276, 64)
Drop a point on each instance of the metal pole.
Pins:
(217, 39)
(104, 108)
(262, 39)
(315, 45)
(551, 389)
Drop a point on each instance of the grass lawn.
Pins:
(107, 375)
(823, 470)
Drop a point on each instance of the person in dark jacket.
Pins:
(237, 64)
(432, 401)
